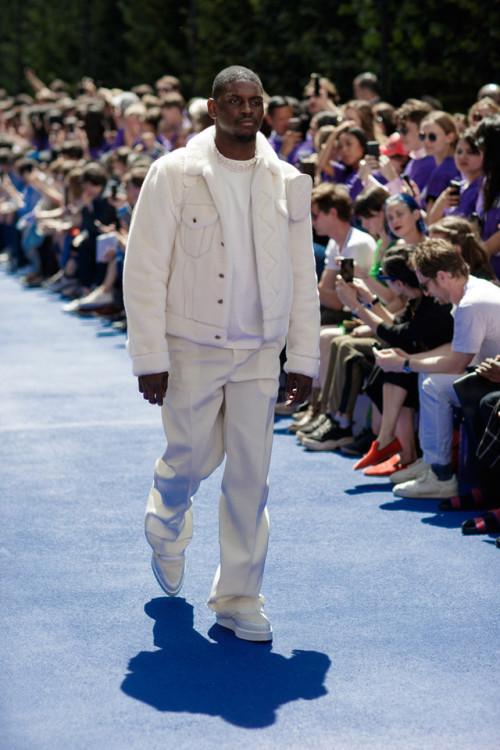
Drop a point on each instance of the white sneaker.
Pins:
(427, 485)
(250, 626)
(411, 472)
(169, 572)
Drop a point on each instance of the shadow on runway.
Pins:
(244, 683)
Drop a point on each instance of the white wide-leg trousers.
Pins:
(220, 402)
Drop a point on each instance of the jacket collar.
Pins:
(200, 153)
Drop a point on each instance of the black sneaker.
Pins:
(328, 437)
(361, 444)
(311, 426)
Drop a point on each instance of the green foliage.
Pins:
(447, 48)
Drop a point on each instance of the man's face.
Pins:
(238, 111)
(280, 118)
(409, 132)
(434, 288)
(321, 221)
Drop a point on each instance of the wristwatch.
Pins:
(406, 365)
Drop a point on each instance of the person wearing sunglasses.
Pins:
(481, 109)
(439, 135)
(422, 324)
(443, 274)
(420, 166)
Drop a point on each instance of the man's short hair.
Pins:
(433, 255)
(233, 73)
(95, 174)
(414, 110)
(367, 80)
(173, 99)
(277, 102)
(370, 201)
(329, 195)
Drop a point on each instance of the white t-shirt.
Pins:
(358, 245)
(245, 329)
(477, 320)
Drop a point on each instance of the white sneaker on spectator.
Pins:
(411, 472)
(427, 485)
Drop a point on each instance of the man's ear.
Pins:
(212, 109)
(442, 276)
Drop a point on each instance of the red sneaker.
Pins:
(376, 455)
(386, 468)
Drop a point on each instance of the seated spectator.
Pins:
(488, 204)
(404, 219)
(478, 393)
(461, 233)
(109, 293)
(443, 274)
(287, 138)
(422, 325)
(481, 109)
(172, 118)
(361, 114)
(385, 117)
(321, 97)
(342, 155)
(439, 134)
(331, 216)
(96, 213)
(459, 198)
(421, 165)
(365, 87)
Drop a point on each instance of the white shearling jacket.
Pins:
(178, 270)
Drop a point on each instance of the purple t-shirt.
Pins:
(301, 151)
(468, 199)
(420, 170)
(440, 178)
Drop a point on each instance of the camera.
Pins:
(347, 269)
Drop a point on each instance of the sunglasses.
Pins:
(477, 117)
(430, 136)
(403, 130)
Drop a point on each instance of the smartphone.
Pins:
(294, 124)
(347, 269)
(372, 149)
(455, 186)
(315, 78)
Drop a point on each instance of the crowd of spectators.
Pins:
(406, 230)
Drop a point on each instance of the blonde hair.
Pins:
(445, 121)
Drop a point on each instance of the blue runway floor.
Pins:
(386, 618)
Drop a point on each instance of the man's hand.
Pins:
(390, 360)
(490, 369)
(291, 139)
(154, 387)
(298, 388)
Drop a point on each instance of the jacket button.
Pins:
(220, 301)
(194, 220)
(222, 244)
(217, 337)
(221, 276)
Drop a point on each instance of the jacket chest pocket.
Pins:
(198, 228)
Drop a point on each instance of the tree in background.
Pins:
(445, 48)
